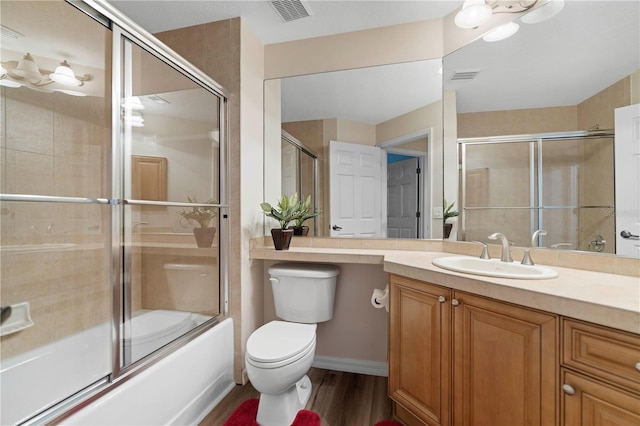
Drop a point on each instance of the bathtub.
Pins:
(171, 391)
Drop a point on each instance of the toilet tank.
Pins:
(192, 288)
(304, 292)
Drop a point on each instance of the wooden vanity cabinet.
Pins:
(456, 358)
(600, 375)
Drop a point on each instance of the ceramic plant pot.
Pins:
(281, 238)
(300, 230)
(204, 236)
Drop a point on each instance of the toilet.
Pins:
(280, 353)
(192, 287)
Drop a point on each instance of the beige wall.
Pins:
(230, 54)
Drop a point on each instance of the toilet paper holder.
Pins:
(380, 298)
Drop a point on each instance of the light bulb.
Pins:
(501, 32)
(473, 14)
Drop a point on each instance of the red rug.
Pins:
(245, 415)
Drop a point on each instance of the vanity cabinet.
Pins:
(600, 375)
(461, 359)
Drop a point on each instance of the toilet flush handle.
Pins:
(274, 280)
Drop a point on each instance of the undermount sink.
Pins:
(495, 268)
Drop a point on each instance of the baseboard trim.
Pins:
(360, 366)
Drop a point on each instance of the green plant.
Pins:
(287, 210)
(448, 211)
(304, 213)
(202, 215)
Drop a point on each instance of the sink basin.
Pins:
(495, 268)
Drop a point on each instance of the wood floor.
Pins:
(341, 399)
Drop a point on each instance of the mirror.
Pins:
(396, 109)
(562, 75)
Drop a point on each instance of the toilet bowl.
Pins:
(280, 353)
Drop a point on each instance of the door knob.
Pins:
(336, 228)
(627, 234)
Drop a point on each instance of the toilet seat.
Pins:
(279, 343)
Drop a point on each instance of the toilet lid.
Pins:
(279, 340)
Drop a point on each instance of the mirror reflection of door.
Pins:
(403, 189)
(355, 176)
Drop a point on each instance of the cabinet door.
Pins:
(505, 363)
(590, 402)
(420, 350)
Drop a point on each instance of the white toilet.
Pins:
(280, 353)
(192, 287)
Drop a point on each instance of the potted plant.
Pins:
(448, 213)
(202, 216)
(303, 215)
(287, 210)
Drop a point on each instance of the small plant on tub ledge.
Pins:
(286, 211)
(303, 215)
(202, 216)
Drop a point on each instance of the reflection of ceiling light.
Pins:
(71, 92)
(132, 103)
(64, 75)
(501, 32)
(134, 119)
(27, 73)
(544, 12)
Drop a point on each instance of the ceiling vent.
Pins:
(8, 32)
(290, 10)
(464, 75)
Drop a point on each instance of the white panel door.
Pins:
(356, 190)
(402, 199)
(627, 161)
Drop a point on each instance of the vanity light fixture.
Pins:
(477, 12)
(26, 72)
(501, 32)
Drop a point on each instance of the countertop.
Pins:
(602, 298)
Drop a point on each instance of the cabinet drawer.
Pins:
(609, 354)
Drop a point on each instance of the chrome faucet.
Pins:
(506, 249)
(526, 259)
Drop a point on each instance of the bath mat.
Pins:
(388, 423)
(245, 415)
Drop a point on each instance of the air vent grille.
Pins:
(290, 10)
(464, 75)
(8, 32)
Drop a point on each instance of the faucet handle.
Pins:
(485, 250)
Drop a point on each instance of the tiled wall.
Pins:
(54, 144)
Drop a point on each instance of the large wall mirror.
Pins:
(554, 85)
(373, 130)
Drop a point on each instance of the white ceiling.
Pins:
(587, 47)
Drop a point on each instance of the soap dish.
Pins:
(19, 319)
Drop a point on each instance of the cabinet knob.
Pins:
(455, 302)
(443, 299)
(638, 366)
(568, 389)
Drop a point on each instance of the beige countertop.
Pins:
(603, 298)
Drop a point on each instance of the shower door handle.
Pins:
(336, 228)
(627, 234)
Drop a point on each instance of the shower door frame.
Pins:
(535, 166)
(124, 29)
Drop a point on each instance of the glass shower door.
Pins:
(498, 181)
(55, 144)
(170, 214)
